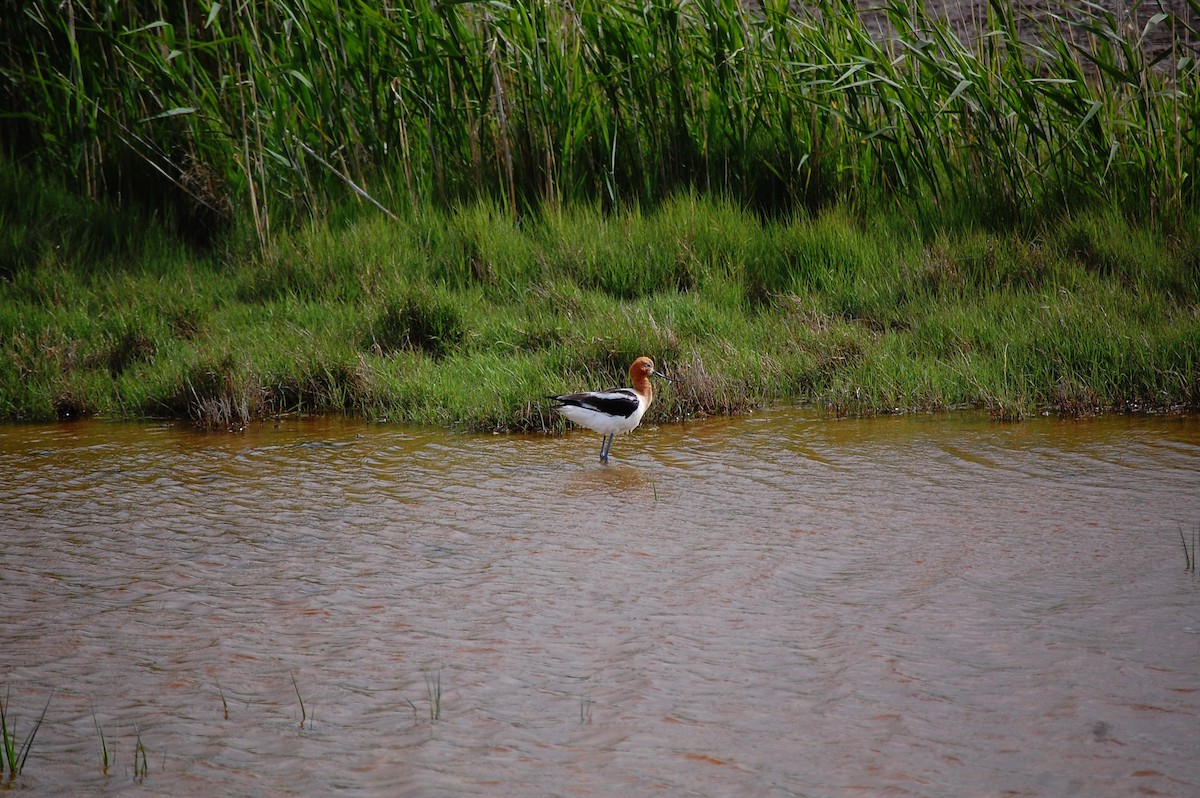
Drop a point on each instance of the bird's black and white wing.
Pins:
(621, 402)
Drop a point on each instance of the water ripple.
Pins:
(769, 606)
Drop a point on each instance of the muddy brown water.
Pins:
(777, 605)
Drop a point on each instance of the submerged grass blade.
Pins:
(433, 690)
(303, 712)
(103, 743)
(14, 757)
(7, 737)
(1189, 554)
(33, 733)
(141, 764)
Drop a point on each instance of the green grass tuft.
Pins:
(14, 756)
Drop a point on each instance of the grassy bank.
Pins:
(440, 211)
(465, 318)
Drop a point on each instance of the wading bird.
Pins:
(615, 411)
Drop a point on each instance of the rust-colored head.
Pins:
(639, 374)
(642, 368)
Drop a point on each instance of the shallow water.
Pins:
(777, 605)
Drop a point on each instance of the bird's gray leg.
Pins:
(605, 446)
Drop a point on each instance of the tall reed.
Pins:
(269, 112)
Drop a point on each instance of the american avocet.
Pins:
(615, 411)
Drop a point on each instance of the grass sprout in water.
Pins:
(14, 757)
(103, 744)
(433, 690)
(1189, 552)
(433, 694)
(141, 764)
(303, 712)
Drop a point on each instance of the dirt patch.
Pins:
(1034, 17)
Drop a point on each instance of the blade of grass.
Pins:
(1189, 556)
(303, 713)
(103, 743)
(224, 703)
(433, 690)
(33, 733)
(141, 765)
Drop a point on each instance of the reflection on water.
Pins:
(778, 605)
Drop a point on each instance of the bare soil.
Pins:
(969, 17)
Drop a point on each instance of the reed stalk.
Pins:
(272, 112)
(303, 712)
